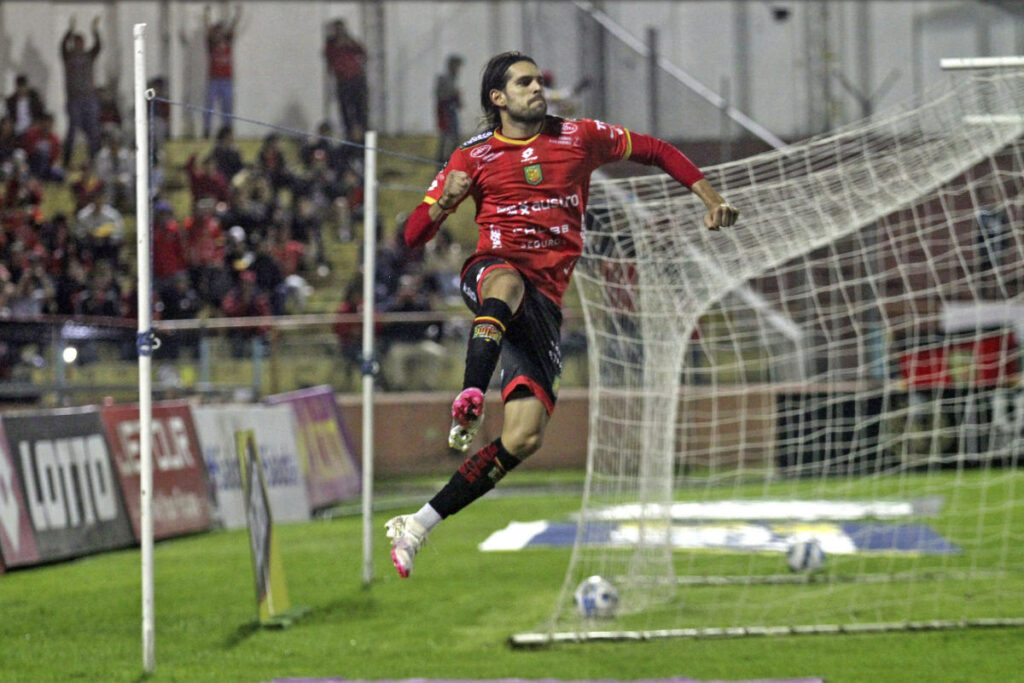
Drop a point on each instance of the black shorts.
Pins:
(531, 351)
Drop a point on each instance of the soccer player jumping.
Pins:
(529, 176)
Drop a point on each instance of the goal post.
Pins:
(830, 368)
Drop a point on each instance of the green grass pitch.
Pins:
(81, 620)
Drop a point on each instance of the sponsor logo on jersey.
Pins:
(484, 153)
(479, 137)
(568, 127)
(529, 155)
(533, 174)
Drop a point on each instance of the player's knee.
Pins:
(523, 443)
(505, 284)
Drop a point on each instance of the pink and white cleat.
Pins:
(467, 415)
(408, 536)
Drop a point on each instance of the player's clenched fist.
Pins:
(456, 185)
(720, 216)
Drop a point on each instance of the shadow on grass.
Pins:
(241, 634)
(344, 609)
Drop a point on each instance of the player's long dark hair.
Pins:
(495, 78)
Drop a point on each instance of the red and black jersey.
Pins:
(531, 195)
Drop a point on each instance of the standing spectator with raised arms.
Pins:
(529, 176)
(82, 104)
(220, 89)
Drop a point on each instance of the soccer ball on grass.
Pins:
(596, 597)
(805, 556)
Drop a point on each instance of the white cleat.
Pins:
(467, 415)
(408, 536)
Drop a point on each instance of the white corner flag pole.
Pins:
(145, 346)
(369, 270)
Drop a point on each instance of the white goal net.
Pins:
(842, 366)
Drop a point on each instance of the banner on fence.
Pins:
(275, 432)
(325, 450)
(181, 498)
(17, 544)
(70, 489)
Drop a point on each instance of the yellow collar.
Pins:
(513, 141)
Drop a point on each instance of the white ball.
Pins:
(805, 556)
(596, 597)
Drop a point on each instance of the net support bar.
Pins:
(960, 63)
(144, 349)
(369, 268)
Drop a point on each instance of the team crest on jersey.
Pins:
(533, 174)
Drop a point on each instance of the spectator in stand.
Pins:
(170, 258)
(110, 111)
(22, 190)
(271, 163)
(178, 300)
(448, 102)
(320, 147)
(9, 140)
(442, 266)
(306, 228)
(99, 228)
(61, 249)
(252, 198)
(115, 166)
(71, 282)
(205, 181)
(7, 290)
(24, 105)
(269, 277)
(346, 60)
(43, 150)
(413, 354)
(350, 333)
(289, 254)
(396, 259)
(205, 252)
(329, 181)
(85, 182)
(245, 300)
(82, 104)
(102, 296)
(35, 292)
(220, 38)
(226, 155)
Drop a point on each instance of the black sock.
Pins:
(475, 477)
(485, 343)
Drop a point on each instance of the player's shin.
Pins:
(475, 477)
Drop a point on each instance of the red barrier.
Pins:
(180, 489)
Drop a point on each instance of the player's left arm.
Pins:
(649, 150)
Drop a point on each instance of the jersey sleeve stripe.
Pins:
(629, 145)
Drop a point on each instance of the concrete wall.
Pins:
(411, 430)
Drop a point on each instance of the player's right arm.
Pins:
(449, 188)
